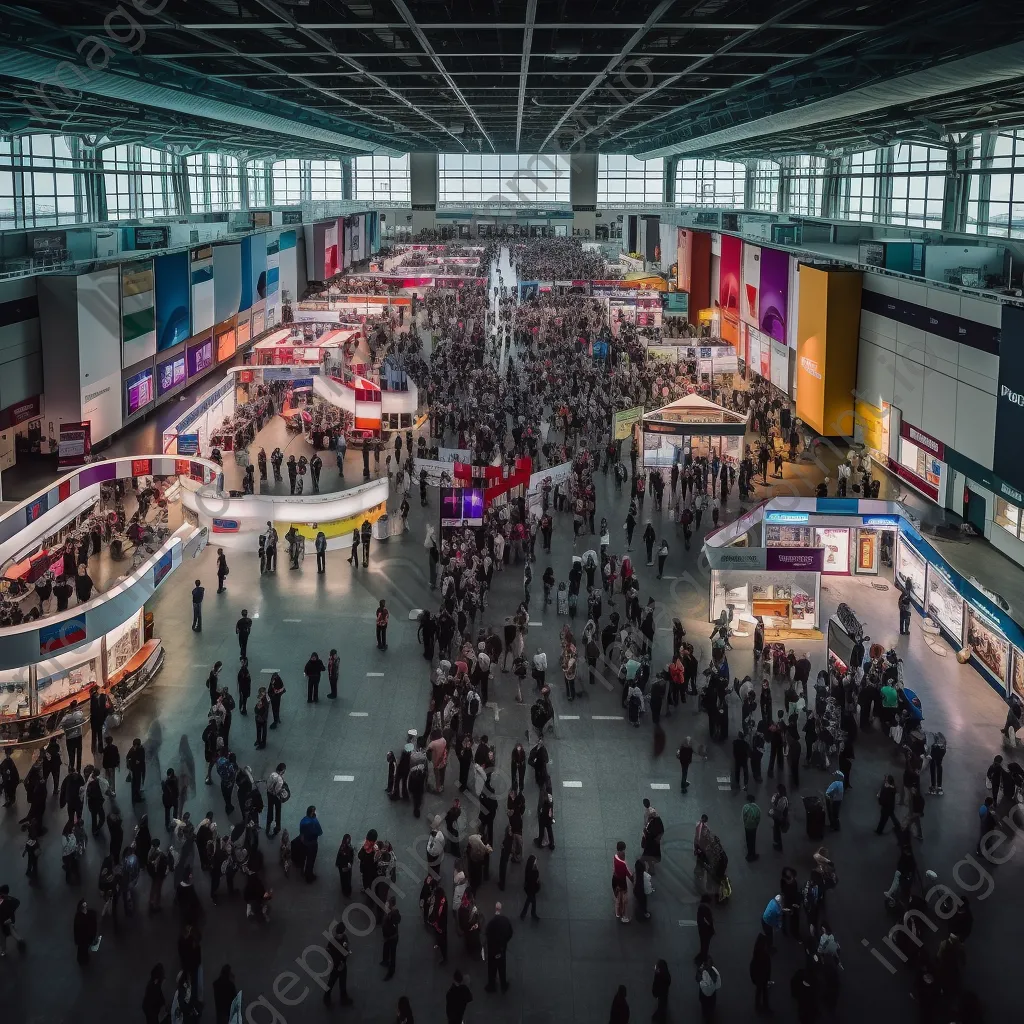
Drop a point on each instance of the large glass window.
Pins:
(256, 176)
(918, 183)
(622, 180)
(325, 180)
(710, 183)
(117, 181)
(859, 188)
(381, 178)
(805, 176)
(508, 178)
(996, 199)
(767, 175)
(1008, 517)
(223, 172)
(287, 183)
(156, 185)
(48, 190)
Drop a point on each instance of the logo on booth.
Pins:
(1014, 396)
(810, 366)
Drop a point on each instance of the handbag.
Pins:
(648, 884)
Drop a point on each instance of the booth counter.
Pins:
(788, 544)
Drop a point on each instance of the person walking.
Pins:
(382, 626)
(834, 800)
(498, 934)
(222, 570)
(705, 929)
(456, 999)
(751, 815)
(198, 593)
(277, 793)
(659, 989)
(619, 1013)
(761, 973)
(321, 551)
(261, 713)
(73, 723)
(310, 832)
(778, 811)
(545, 819)
(662, 558)
(85, 931)
(244, 686)
(389, 930)
(313, 669)
(243, 627)
(365, 532)
(621, 877)
(275, 691)
(339, 952)
(709, 981)
(135, 763)
(531, 886)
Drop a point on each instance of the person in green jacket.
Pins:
(751, 814)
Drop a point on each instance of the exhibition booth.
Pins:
(770, 561)
(691, 425)
(294, 348)
(55, 657)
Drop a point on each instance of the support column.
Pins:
(243, 185)
(957, 186)
(347, 168)
(749, 184)
(831, 189)
(669, 189)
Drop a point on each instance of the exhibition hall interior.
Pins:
(610, 414)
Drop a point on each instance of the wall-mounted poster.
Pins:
(684, 259)
(836, 542)
(227, 281)
(173, 322)
(773, 299)
(139, 391)
(138, 316)
(750, 291)
(170, 374)
(1017, 671)
(945, 605)
(988, 646)
(729, 288)
(200, 357)
(201, 265)
(910, 566)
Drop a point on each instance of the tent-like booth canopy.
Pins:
(693, 425)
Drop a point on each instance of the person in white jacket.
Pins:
(709, 981)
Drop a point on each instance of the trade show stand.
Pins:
(236, 522)
(50, 661)
(769, 563)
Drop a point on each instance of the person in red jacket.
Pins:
(621, 877)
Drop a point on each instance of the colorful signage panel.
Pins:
(200, 357)
(138, 314)
(173, 319)
(750, 292)
(170, 374)
(139, 391)
(59, 635)
(773, 299)
(729, 288)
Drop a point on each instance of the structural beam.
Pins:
(524, 66)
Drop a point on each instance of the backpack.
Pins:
(474, 705)
(226, 770)
(228, 701)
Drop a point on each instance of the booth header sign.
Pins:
(1006, 460)
(623, 420)
(770, 559)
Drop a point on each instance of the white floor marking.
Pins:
(291, 620)
(359, 714)
(687, 924)
(724, 789)
(569, 718)
(536, 623)
(375, 675)
(344, 778)
(724, 778)
(572, 785)
(268, 671)
(607, 718)
(660, 785)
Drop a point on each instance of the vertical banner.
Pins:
(810, 348)
(74, 443)
(751, 284)
(227, 281)
(201, 263)
(100, 352)
(173, 323)
(684, 258)
(245, 302)
(774, 297)
(1007, 461)
(729, 288)
(331, 262)
(138, 318)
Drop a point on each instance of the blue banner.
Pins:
(173, 317)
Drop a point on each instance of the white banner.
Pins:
(435, 470)
(454, 455)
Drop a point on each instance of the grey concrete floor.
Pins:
(565, 967)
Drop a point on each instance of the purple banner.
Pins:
(795, 559)
(200, 357)
(774, 297)
(96, 474)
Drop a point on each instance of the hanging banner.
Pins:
(623, 420)
(74, 444)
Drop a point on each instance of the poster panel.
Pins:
(173, 321)
(201, 264)
(945, 604)
(729, 288)
(773, 299)
(684, 259)
(751, 284)
(138, 391)
(227, 281)
(138, 318)
(100, 351)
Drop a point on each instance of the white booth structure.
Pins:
(691, 425)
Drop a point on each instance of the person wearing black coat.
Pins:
(761, 972)
(84, 931)
(531, 886)
(659, 989)
(224, 992)
(620, 1008)
(313, 670)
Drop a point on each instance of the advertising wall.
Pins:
(331, 262)
(224, 341)
(773, 297)
(287, 253)
(138, 318)
(700, 275)
(254, 271)
(99, 352)
(315, 236)
(827, 333)
(138, 392)
(729, 288)
(170, 374)
(751, 284)
(201, 263)
(347, 234)
(227, 281)
(199, 356)
(1007, 461)
(173, 320)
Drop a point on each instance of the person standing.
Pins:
(659, 989)
(261, 712)
(705, 929)
(761, 973)
(10, 777)
(85, 931)
(531, 886)
(198, 593)
(709, 981)
(456, 999)
(751, 819)
(271, 547)
(619, 1013)
(154, 1004)
(277, 794)
(339, 953)
(135, 763)
(621, 877)
(684, 755)
(353, 557)
(389, 930)
(73, 723)
(382, 626)
(365, 532)
(321, 552)
(275, 692)
(313, 669)
(778, 811)
(243, 627)
(310, 832)
(662, 558)
(244, 686)
(224, 992)
(834, 800)
(222, 569)
(498, 934)
(333, 671)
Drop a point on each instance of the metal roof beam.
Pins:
(417, 31)
(524, 66)
(483, 26)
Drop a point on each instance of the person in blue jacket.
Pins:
(310, 832)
